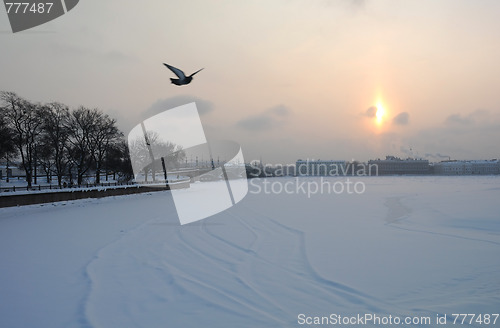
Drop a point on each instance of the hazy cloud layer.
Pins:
(461, 137)
(401, 119)
(269, 119)
(330, 65)
(468, 137)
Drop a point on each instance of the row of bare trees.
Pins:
(60, 141)
(147, 155)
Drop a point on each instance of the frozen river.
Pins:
(413, 247)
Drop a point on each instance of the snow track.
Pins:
(238, 270)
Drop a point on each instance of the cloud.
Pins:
(370, 112)
(470, 119)
(257, 123)
(267, 120)
(401, 119)
(280, 110)
(204, 106)
(360, 3)
(71, 51)
(350, 3)
(458, 119)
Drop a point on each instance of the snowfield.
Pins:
(407, 246)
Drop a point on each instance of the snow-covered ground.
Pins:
(407, 246)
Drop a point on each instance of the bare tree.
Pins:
(81, 125)
(7, 144)
(104, 134)
(45, 159)
(26, 122)
(59, 140)
(140, 152)
(55, 139)
(118, 161)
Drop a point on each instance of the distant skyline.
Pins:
(286, 79)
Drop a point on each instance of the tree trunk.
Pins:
(80, 178)
(29, 179)
(98, 176)
(7, 169)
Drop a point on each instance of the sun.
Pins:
(380, 113)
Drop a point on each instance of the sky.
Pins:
(286, 79)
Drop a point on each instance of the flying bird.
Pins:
(182, 78)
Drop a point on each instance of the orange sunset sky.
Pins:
(287, 79)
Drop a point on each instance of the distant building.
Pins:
(396, 166)
(467, 167)
(320, 168)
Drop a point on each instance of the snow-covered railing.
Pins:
(56, 187)
(58, 195)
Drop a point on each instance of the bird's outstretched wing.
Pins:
(180, 74)
(197, 71)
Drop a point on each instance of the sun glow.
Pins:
(380, 113)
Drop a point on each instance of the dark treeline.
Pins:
(54, 140)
